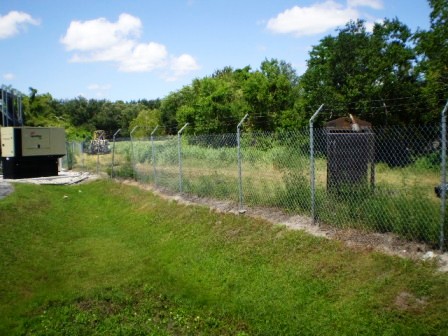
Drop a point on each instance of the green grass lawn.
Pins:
(104, 258)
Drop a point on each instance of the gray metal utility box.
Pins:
(350, 154)
(31, 151)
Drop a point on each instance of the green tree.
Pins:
(393, 65)
(282, 94)
(432, 47)
(146, 120)
(211, 104)
(170, 105)
(216, 104)
(77, 110)
(39, 108)
(364, 74)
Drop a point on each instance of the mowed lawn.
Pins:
(104, 258)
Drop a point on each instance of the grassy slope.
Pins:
(112, 259)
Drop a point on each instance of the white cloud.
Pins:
(183, 64)
(180, 66)
(95, 87)
(100, 33)
(13, 22)
(115, 53)
(320, 17)
(369, 26)
(312, 20)
(145, 57)
(99, 90)
(102, 41)
(375, 4)
(9, 76)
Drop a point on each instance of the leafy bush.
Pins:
(430, 161)
(124, 170)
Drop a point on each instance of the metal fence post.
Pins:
(83, 154)
(153, 153)
(67, 156)
(113, 153)
(443, 167)
(240, 178)
(73, 157)
(313, 177)
(179, 152)
(132, 152)
(97, 159)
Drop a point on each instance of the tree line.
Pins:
(387, 76)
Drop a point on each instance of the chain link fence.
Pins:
(382, 181)
(377, 179)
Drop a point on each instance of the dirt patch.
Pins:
(388, 243)
(105, 307)
(408, 302)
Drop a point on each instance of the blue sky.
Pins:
(144, 49)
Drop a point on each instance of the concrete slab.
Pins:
(64, 178)
(5, 189)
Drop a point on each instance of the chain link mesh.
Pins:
(209, 165)
(380, 179)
